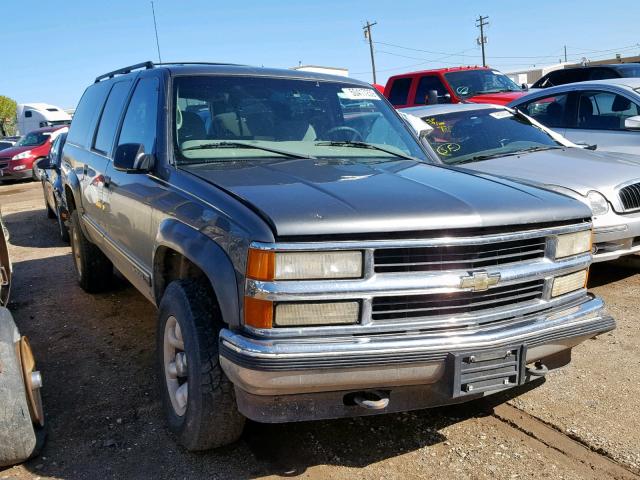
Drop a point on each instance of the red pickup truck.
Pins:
(452, 85)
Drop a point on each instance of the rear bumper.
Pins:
(274, 378)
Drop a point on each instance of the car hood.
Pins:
(575, 168)
(11, 151)
(496, 98)
(320, 197)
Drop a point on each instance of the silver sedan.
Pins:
(499, 141)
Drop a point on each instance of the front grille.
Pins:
(630, 196)
(465, 257)
(446, 304)
(4, 163)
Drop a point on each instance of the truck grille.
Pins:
(630, 196)
(431, 305)
(464, 257)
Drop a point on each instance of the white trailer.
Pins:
(31, 116)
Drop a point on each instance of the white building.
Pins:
(344, 72)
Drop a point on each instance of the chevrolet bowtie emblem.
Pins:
(479, 281)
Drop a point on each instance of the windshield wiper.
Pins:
(488, 156)
(226, 144)
(370, 146)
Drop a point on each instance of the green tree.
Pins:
(7, 116)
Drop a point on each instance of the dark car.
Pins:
(53, 187)
(586, 73)
(306, 258)
(4, 143)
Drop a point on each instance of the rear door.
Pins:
(399, 91)
(600, 120)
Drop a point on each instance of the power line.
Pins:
(155, 26)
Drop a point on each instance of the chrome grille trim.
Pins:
(630, 197)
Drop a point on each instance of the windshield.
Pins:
(467, 83)
(475, 135)
(33, 139)
(221, 118)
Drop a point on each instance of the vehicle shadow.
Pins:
(32, 229)
(608, 272)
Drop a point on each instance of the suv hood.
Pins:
(575, 168)
(319, 197)
(496, 98)
(11, 151)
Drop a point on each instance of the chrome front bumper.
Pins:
(616, 235)
(273, 370)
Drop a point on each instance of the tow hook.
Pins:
(372, 400)
(538, 370)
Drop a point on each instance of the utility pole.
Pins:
(565, 54)
(481, 22)
(155, 26)
(367, 35)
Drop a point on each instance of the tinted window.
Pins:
(399, 94)
(56, 149)
(430, 82)
(604, 111)
(85, 115)
(467, 83)
(602, 74)
(550, 111)
(27, 114)
(140, 121)
(110, 116)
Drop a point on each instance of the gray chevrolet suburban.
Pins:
(306, 259)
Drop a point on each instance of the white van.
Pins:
(31, 116)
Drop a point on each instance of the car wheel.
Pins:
(64, 231)
(93, 269)
(198, 398)
(22, 432)
(50, 212)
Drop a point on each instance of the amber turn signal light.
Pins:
(258, 313)
(261, 265)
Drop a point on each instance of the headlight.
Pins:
(265, 314)
(597, 202)
(269, 265)
(20, 156)
(573, 243)
(19, 167)
(569, 283)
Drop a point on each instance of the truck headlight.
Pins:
(20, 156)
(265, 314)
(269, 265)
(573, 243)
(569, 283)
(597, 202)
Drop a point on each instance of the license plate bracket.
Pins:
(487, 370)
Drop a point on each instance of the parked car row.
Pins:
(18, 161)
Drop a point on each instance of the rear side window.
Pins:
(141, 119)
(27, 114)
(399, 94)
(603, 74)
(430, 82)
(110, 115)
(84, 117)
(549, 111)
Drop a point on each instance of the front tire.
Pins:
(94, 270)
(198, 398)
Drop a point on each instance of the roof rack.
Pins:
(125, 70)
(201, 63)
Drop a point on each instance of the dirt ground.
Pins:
(96, 354)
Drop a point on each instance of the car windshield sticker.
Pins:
(438, 124)
(358, 94)
(501, 114)
(462, 90)
(447, 149)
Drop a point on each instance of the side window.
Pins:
(399, 94)
(141, 119)
(430, 82)
(84, 117)
(604, 111)
(550, 111)
(27, 114)
(110, 116)
(602, 74)
(56, 149)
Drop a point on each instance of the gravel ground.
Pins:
(97, 358)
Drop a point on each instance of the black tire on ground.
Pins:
(211, 418)
(62, 228)
(50, 212)
(18, 440)
(93, 269)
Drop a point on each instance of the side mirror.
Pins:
(432, 97)
(524, 87)
(44, 164)
(632, 123)
(422, 128)
(131, 158)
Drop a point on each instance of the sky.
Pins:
(51, 51)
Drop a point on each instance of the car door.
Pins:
(600, 121)
(50, 175)
(127, 196)
(553, 111)
(429, 83)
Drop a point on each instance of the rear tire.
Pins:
(94, 270)
(189, 323)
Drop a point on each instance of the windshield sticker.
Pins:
(438, 125)
(501, 114)
(462, 90)
(359, 94)
(447, 149)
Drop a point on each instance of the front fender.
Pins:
(71, 186)
(208, 256)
